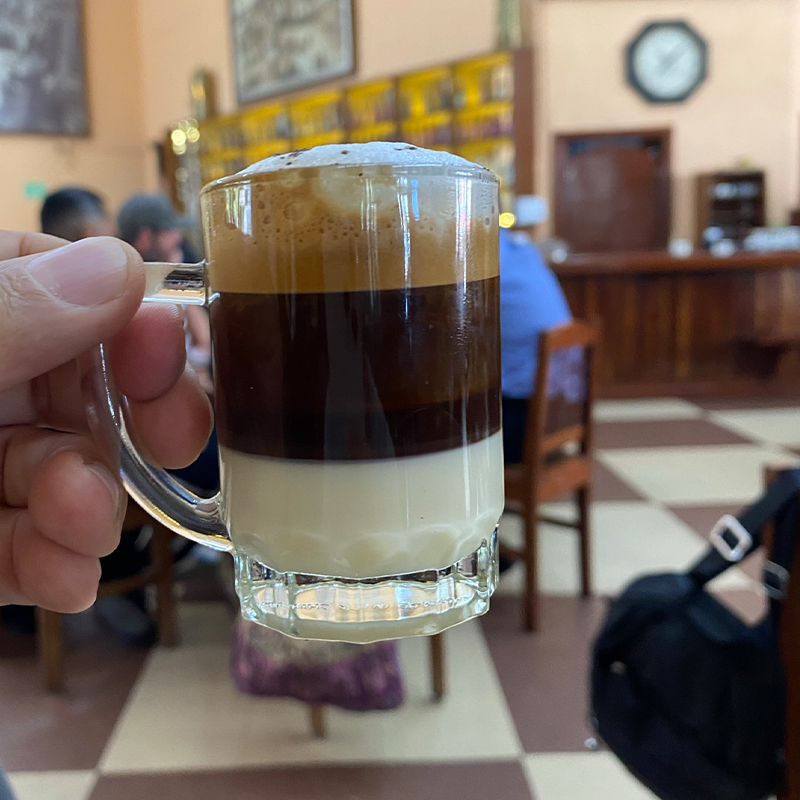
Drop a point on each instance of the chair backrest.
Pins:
(560, 410)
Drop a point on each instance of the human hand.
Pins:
(61, 507)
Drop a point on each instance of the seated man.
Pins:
(531, 301)
(75, 213)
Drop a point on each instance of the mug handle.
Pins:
(172, 504)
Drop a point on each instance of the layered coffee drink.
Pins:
(357, 359)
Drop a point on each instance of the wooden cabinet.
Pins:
(734, 202)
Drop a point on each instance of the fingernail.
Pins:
(108, 479)
(86, 273)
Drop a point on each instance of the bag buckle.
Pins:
(737, 550)
(775, 579)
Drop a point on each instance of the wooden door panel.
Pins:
(612, 191)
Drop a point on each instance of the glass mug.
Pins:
(354, 300)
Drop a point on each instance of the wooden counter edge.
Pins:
(633, 263)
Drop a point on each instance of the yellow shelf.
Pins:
(222, 155)
(466, 108)
(482, 145)
(365, 92)
(214, 124)
(315, 139)
(317, 119)
(260, 151)
(313, 102)
(484, 62)
(493, 109)
(425, 90)
(377, 131)
(261, 125)
(427, 120)
(370, 105)
(424, 77)
(484, 81)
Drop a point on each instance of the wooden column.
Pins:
(51, 648)
(790, 650)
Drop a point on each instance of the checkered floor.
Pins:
(164, 724)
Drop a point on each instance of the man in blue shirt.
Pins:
(531, 301)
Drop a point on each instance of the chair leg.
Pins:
(165, 599)
(316, 713)
(531, 568)
(437, 666)
(584, 531)
(51, 648)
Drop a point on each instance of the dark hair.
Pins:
(146, 212)
(65, 212)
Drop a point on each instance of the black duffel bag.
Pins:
(690, 698)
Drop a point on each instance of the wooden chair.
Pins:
(316, 712)
(158, 574)
(559, 418)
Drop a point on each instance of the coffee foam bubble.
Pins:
(387, 154)
(298, 223)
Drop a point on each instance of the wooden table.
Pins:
(692, 326)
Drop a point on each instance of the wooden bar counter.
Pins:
(695, 326)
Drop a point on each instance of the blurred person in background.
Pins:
(75, 213)
(151, 225)
(531, 301)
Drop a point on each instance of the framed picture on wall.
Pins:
(42, 67)
(280, 45)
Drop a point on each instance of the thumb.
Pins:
(58, 304)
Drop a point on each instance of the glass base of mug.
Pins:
(363, 610)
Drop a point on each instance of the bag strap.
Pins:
(734, 538)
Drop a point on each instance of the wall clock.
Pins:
(667, 62)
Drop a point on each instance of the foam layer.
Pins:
(364, 519)
(309, 222)
(394, 154)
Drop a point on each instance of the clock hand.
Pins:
(670, 59)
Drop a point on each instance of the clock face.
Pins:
(667, 62)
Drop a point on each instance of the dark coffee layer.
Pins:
(358, 375)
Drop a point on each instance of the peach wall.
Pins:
(112, 159)
(743, 111)
(176, 37)
(794, 107)
(748, 109)
(141, 54)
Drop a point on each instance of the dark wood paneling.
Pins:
(696, 326)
